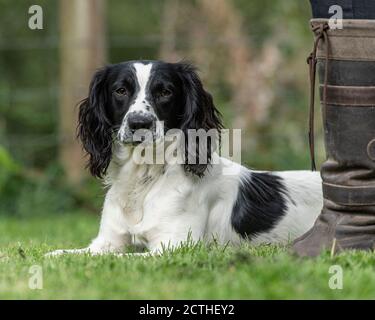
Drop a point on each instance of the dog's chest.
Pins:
(151, 199)
(133, 188)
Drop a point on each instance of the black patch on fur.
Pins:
(199, 113)
(260, 204)
(95, 127)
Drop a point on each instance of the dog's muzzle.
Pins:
(138, 127)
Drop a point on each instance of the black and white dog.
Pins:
(162, 205)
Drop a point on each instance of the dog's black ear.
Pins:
(199, 113)
(94, 127)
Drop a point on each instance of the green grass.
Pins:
(266, 272)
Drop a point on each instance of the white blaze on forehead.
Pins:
(142, 73)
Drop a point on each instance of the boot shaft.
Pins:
(346, 67)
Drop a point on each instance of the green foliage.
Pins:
(8, 167)
(193, 272)
(134, 35)
(28, 82)
(23, 194)
(47, 194)
(9, 171)
(28, 193)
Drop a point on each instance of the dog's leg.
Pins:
(112, 237)
(152, 253)
(67, 251)
(178, 235)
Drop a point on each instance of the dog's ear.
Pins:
(199, 113)
(94, 127)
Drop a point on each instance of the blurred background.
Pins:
(251, 56)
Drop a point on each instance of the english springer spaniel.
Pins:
(163, 205)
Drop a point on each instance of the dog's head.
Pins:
(137, 95)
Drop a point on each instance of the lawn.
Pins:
(201, 272)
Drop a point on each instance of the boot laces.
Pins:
(321, 33)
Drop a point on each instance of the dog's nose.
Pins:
(138, 121)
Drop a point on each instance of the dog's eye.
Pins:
(121, 91)
(165, 93)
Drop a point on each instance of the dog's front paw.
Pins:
(66, 251)
(55, 253)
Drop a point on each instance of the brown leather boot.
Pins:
(346, 64)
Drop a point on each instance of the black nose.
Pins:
(138, 121)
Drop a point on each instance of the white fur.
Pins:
(143, 73)
(159, 206)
